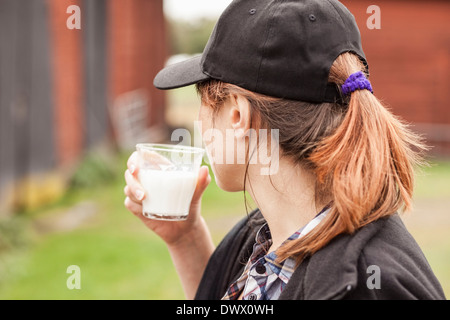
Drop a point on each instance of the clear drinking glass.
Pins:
(168, 174)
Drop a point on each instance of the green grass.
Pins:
(433, 182)
(112, 267)
(429, 222)
(120, 258)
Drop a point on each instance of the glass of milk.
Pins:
(168, 174)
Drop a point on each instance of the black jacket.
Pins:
(344, 269)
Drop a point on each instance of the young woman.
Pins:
(326, 226)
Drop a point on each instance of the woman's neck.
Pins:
(286, 199)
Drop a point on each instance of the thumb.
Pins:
(202, 182)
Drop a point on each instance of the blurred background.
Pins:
(74, 102)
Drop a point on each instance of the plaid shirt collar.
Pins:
(264, 278)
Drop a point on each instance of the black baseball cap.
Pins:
(280, 48)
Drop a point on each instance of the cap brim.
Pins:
(180, 74)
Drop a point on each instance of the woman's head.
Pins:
(279, 48)
(301, 126)
(226, 126)
(361, 155)
(280, 65)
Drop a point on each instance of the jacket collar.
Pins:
(332, 272)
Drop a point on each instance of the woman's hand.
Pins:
(189, 242)
(171, 232)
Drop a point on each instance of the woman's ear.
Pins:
(240, 115)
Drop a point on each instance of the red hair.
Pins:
(362, 155)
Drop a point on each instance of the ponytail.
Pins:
(362, 155)
(366, 166)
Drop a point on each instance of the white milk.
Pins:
(168, 194)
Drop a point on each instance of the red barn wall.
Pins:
(137, 51)
(409, 59)
(68, 88)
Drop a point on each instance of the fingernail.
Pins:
(132, 168)
(139, 194)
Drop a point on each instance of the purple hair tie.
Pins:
(356, 81)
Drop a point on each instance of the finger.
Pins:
(132, 206)
(127, 192)
(136, 192)
(133, 163)
(202, 182)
